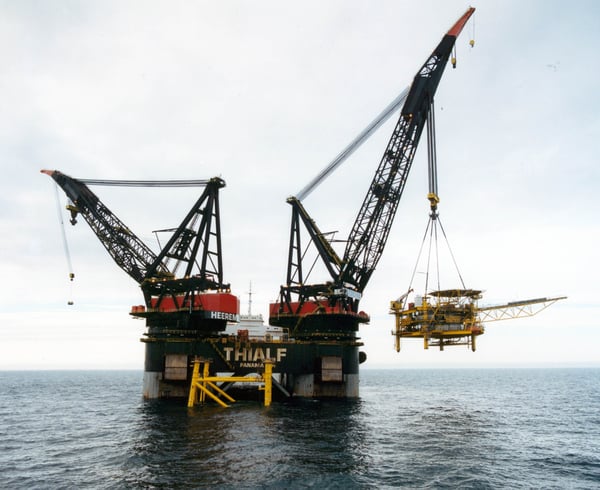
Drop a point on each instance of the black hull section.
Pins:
(304, 368)
(329, 326)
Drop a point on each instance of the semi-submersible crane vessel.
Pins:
(187, 304)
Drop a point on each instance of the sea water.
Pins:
(453, 428)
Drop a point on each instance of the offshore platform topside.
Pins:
(188, 306)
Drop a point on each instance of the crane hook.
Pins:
(472, 41)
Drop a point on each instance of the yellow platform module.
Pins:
(453, 317)
(204, 385)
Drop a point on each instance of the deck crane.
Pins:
(330, 309)
(183, 284)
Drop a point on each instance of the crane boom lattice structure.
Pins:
(330, 309)
(126, 249)
(182, 284)
(516, 309)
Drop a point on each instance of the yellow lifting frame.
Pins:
(204, 384)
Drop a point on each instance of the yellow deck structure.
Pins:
(453, 317)
(203, 385)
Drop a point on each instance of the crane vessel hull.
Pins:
(303, 368)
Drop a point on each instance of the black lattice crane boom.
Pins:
(183, 283)
(330, 309)
(199, 234)
(371, 228)
(126, 249)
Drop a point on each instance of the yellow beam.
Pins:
(195, 376)
(220, 391)
(268, 378)
(232, 379)
(212, 395)
(201, 386)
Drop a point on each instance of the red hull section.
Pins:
(316, 319)
(309, 307)
(223, 306)
(276, 309)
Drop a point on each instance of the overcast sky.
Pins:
(265, 94)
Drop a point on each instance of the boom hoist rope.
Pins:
(65, 244)
(146, 183)
(364, 135)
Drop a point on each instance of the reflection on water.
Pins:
(411, 429)
(246, 444)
